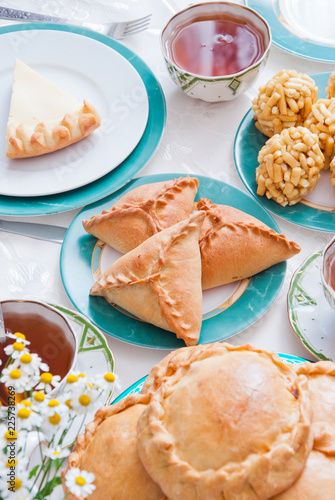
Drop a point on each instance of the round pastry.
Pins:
(289, 166)
(321, 121)
(108, 449)
(316, 481)
(284, 102)
(321, 385)
(225, 422)
(318, 477)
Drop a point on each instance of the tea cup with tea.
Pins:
(214, 51)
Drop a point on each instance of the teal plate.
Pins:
(42, 205)
(302, 29)
(76, 272)
(137, 386)
(248, 142)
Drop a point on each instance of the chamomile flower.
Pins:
(14, 377)
(84, 400)
(39, 401)
(17, 336)
(16, 486)
(11, 437)
(26, 418)
(48, 382)
(56, 452)
(31, 364)
(105, 380)
(17, 349)
(55, 406)
(80, 482)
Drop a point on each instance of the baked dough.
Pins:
(318, 477)
(227, 423)
(316, 481)
(160, 280)
(234, 245)
(143, 212)
(108, 449)
(44, 118)
(321, 384)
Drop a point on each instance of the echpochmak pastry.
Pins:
(143, 212)
(234, 245)
(227, 423)
(44, 118)
(160, 280)
(108, 449)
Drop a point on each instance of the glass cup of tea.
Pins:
(214, 51)
(328, 272)
(50, 335)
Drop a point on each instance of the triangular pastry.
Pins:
(160, 280)
(108, 449)
(143, 212)
(44, 118)
(235, 245)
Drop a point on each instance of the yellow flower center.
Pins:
(11, 463)
(109, 377)
(82, 375)
(10, 435)
(71, 379)
(26, 359)
(56, 453)
(20, 335)
(53, 402)
(84, 400)
(24, 413)
(68, 403)
(15, 374)
(18, 346)
(55, 419)
(46, 378)
(39, 397)
(18, 484)
(80, 481)
(25, 402)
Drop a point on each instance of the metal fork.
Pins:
(116, 30)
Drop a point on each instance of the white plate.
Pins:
(310, 315)
(86, 69)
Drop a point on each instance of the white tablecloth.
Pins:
(198, 139)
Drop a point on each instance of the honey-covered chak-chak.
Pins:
(289, 166)
(284, 101)
(321, 121)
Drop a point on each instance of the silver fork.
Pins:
(116, 30)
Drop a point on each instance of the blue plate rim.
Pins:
(75, 258)
(151, 138)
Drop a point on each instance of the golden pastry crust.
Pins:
(143, 212)
(234, 245)
(108, 449)
(160, 280)
(321, 385)
(47, 138)
(316, 481)
(225, 422)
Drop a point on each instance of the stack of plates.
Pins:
(118, 83)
